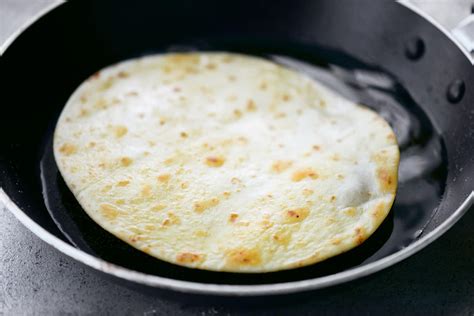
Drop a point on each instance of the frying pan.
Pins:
(383, 54)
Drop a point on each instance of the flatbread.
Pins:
(225, 162)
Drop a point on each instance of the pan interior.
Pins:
(422, 173)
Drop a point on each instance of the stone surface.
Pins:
(35, 279)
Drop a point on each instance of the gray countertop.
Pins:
(37, 279)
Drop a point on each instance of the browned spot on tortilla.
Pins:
(296, 215)
(226, 194)
(282, 237)
(379, 211)
(237, 113)
(169, 161)
(201, 206)
(123, 74)
(146, 191)
(147, 249)
(316, 147)
(266, 222)
(166, 69)
(235, 180)
(164, 177)
(83, 112)
(109, 211)
(120, 202)
(232, 78)
(149, 227)
(191, 69)
(131, 93)
(251, 107)
(304, 173)
(158, 207)
(201, 233)
(360, 235)
(286, 97)
(227, 59)
(135, 238)
(126, 161)
(336, 241)
(350, 211)
(96, 75)
(107, 84)
(243, 257)
(123, 183)
(120, 131)
(242, 140)
(83, 98)
(387, 179)
(181, 59)
(189, 258)
(281, 165)
(322, 103)
(106, 188)
(68, 149)
(173, 218)
(263, 86)
(115, 100)
(307, 192)
(211, 66)
(183, 134)
(215, 161)
(184, 185)
(233, 217)
(333, 198)
(231, 98)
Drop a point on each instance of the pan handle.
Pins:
(464, 32)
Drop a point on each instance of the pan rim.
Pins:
(27, 23)
(412, 7)
(435, 23)
(232, 290)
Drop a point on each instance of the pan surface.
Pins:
(389, 70)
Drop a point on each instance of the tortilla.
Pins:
(225, 162)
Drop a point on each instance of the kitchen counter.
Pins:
(37, 279)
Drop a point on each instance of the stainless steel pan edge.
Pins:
(232, 290)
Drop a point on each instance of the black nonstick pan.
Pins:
(379, 53)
